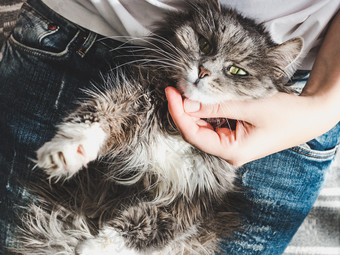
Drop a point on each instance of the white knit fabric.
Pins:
(284, 19)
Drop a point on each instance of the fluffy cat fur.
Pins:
(142, 189)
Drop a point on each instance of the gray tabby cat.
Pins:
(144, 190)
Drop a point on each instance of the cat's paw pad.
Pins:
(61, 158)
(70, 150)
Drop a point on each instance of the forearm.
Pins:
(324, 82)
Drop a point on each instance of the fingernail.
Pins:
(191, 106)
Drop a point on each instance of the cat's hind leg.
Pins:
(141, 229)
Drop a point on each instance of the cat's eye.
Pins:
(204, 45)
(234, 70)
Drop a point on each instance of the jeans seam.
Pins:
(327, 154)
(43, 53)
(28, 8)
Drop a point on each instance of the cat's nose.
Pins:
(203, 72)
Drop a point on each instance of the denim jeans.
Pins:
(48, 61)
(280, 190)
(45, 64)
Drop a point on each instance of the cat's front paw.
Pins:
(61, 158)
(74, 146)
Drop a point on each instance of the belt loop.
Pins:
(87, 44)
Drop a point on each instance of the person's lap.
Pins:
(42, 76)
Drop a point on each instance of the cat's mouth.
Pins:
(218, 122)
(222, 123)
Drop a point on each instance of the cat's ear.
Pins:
(285, 56)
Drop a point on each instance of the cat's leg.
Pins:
(94, 128)
(140, 229)
(73, 147)
(146, 229)
(108, 121)
(146, 225)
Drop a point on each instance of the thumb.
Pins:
(240, 110)
(182, 120)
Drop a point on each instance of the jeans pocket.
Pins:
(314, 154)
(36, 35)
(322, 148)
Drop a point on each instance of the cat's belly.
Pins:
(180, 168)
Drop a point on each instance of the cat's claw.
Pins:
(61, 159)
(64, 156)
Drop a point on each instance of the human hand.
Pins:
(265, 126)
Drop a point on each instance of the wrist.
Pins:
(323, 90)
(324, 109)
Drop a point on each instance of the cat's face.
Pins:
(223, 56)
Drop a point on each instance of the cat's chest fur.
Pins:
(179, 169)
(173, 161)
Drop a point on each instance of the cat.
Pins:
(123, 180)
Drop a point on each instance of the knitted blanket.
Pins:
(320, 232)
(8, 13)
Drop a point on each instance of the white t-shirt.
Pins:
(284, 19)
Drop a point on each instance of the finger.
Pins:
(175, 104)
(197, 132)
(188, 125)
(240, 110)
(223, 142)
(226, 135)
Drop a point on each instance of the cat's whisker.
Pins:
(212, 18)
(164, 63)
(117, 38)
(242, 126)
(245, 130)
(128, 42)
(163, 53)
(174, 53)
(152, 57)
(238, 122)
(127, 63)
(228, 123)
(173, 47)
(134, 49)
(139, 48)
(169, 55)
(144, 61)
(227, 120)
(197, 9)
